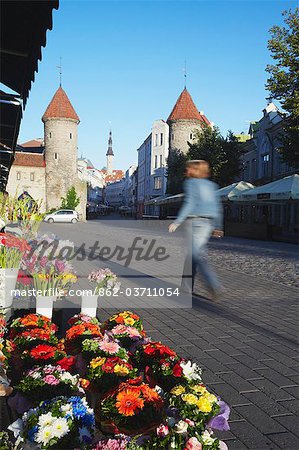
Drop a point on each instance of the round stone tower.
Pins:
(61, 143)
(184, 121)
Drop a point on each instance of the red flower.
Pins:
(177, 370)
(67, 362)
(23, 278)
(43, 352)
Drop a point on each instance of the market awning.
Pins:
(165, 200)
(284, 189)
(234, 189)
(24, 25)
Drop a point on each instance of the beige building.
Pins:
(48, 169)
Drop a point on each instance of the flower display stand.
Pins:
(9, 279)
(89, 304)
(44, 305)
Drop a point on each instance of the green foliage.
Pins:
(176, 163)
(71, 201)
(283, 82)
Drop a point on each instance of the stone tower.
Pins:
(61, 143)
(110, 155)
(184, 121)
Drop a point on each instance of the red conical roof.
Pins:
(185, 109)
(60, 107)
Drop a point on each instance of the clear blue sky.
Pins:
(123, 62)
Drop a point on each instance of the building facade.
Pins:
(261, 160)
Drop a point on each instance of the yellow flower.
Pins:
(204, 405)
(178, 390)
(124, 314)
(190, 398)
(121, 370)
(69, 278)
(129, 321)
(210, 397)
(96, 362)
(199, 389)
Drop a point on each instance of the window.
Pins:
(157, 182)
(32, 176)
(18, 175)
(71, 135)
(161, 160)
(161, 138)
(156, 140)
(156, 161)
(191, 136)
(265, 164)
(172, 137)
(55, 155)
(50, 134)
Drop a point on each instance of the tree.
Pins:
(71, 201)
(283, 82)
(176, 163)
(223, 154)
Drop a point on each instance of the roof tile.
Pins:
(185, 109)
(60, 107)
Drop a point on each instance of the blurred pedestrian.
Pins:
(203, 207)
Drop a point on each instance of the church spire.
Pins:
(109, 154)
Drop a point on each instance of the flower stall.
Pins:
(97, 388)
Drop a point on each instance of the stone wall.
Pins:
(61, 142)
(36, 187)
(182, 131)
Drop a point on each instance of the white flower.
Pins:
(181, 427)
(191, 370)
(66, 376)
(206, 438)
(36, 375)
(60, 427)
(44, 435)
(46, 420)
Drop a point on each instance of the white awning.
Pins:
(234, 189)
(284, 189)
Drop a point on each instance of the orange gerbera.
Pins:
(149, 394)
(128, 401)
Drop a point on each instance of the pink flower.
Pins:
(43, 261)
(109, 347)
(193, 444)
(162, 430)
(50, 379)
(49, 369)
(190, 422)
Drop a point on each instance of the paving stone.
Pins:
(293, 390)
(291, 423)
(275, 377)
(286, 441)
(292, 405)
(259, 419)
(262, 401)
(251, 437)
(271, 390)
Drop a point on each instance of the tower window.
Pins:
(50, 134)
(172, 136)
(191, 136)
(56, 156)
(32, 176)
(71, 136)
(18, 175)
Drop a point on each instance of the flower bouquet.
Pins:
(32, 338)
(105, 280)
(31, 322)
(63, 423)
(132, 408)
(153, 352)
(82, 318)
(124, 318)
(127, 336)
(106, 373)
(105, 347)
(78, 333)
(48, 382)
(194, 402)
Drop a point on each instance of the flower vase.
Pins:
(89, 304)
(8, 277)
(44, 305)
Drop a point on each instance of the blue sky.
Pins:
(123, 63)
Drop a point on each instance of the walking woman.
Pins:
(203, 207)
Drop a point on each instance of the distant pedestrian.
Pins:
(203, 207)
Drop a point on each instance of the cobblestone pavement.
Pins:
(246, 344)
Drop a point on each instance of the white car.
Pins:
(63, 215)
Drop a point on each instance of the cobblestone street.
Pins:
(246, 344)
